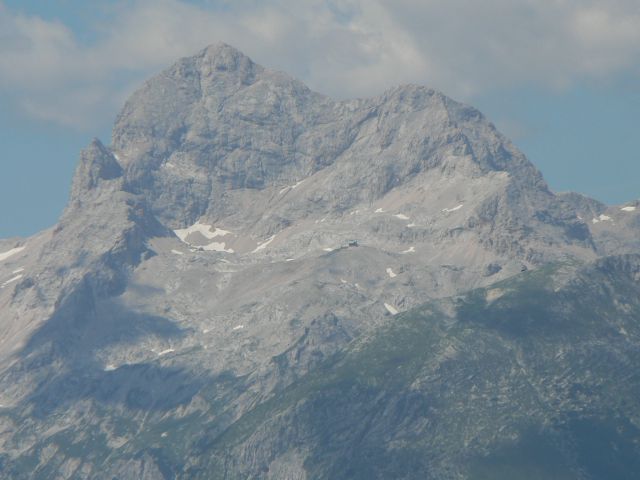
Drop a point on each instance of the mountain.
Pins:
(534, 377)
(257, 281)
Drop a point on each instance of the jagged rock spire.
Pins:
(97, 163)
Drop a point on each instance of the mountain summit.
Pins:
(215, 130)
(257, 281)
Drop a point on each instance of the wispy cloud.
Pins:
(340, 47)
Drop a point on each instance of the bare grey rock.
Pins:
(239, 233)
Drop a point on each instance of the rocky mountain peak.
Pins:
(413, 96)
(242, 230)
(96, 164)
(219, 139)
(216, 124)
(221, 57)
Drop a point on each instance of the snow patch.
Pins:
(411, 225)
(342, 280)
(203, 229)
(628, 209)
(289, 260)
(602, 218)
(291, 187)
(409, 250)
(237, 327)
(177, 252)
(208, 232)
(13, 251)
(379, 211)
(391, 273)
(494, 294)
(11, 280)
(401, 216)
(448, 210)
(164, 434)
(21, 269)
(263, 245)
(391, 309)
(164, 352)
(328, 249)
(110, 368)
(217, 247)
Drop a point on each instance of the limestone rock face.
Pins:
(244, 242)
(96, 163)
(220, 138)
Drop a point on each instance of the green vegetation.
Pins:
(512, 381)
(353, 407)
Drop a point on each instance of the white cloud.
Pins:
(340, 47)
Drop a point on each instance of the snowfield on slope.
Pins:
(10, 253)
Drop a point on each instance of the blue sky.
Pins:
(559, 78)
